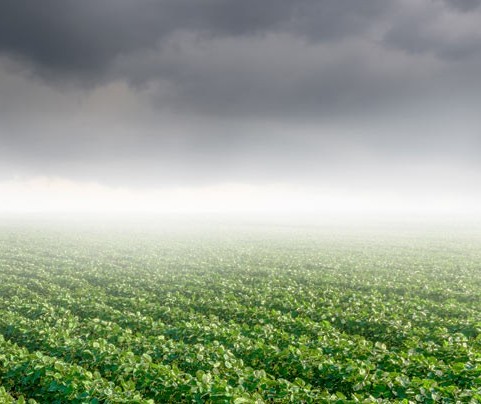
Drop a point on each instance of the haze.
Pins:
(300, 106)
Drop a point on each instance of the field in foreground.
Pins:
(252, 315)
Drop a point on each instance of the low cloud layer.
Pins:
(160, 93)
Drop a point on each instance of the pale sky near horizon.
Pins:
(339, 105)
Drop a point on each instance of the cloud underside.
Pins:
(178, 91)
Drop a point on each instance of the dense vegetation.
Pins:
(244, 316)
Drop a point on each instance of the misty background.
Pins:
(314, 103)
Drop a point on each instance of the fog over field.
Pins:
(332, 107)
(240, 201)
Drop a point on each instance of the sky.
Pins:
(230, 105)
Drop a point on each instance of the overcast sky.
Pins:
(354, 95)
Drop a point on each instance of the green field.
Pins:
(239, 314)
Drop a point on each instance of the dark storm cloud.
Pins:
(85, 37)
(236, 90)
(234, 56)
(464, 5)
(443, 32)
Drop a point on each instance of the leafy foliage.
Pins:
(238, 318)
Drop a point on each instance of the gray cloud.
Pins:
(464, 5)
(85, 37)
(216, 55)
(178, 91)
(440, 31)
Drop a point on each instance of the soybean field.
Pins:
(246, 314)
